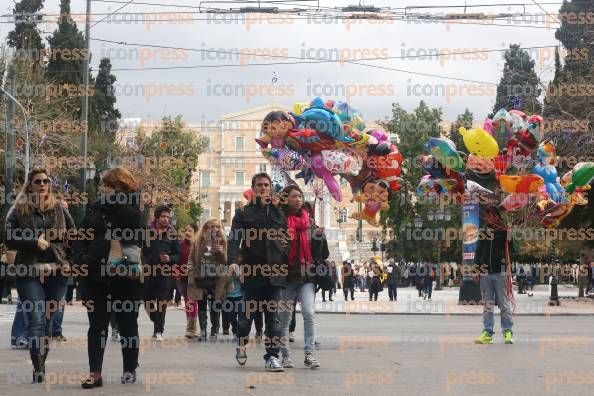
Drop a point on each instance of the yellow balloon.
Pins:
(299, 107)
(480, 143)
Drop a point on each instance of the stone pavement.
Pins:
(360, 354)
(445, 302)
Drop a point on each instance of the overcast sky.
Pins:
(204, 94)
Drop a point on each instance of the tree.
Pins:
(25, 34)
(168, 158)
(63, 69)
(103, 114)
(414, 130)
(519, 87)
(463, 120)
(569, 101)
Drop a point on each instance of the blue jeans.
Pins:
(257, 300)
(58, 318)
(40, 301)
(19, 324)
(429, 288)
(306, 293)
(362, 283)
(494, 288)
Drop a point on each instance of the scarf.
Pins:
(298, 227)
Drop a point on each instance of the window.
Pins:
(239, 178)
(205, 178)
(262, 168)
(343, 215)
(205, 215)
(239, 143)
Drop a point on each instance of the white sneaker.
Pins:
(158, 337)
(273, 365)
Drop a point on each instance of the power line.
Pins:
(107, 16)
(308, 61)
(301, 59)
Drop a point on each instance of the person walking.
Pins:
(36, 227)
(181, 278)
(429, 272)
(160, 252)
(495, 280)
(393, 280)
(302, 230)
(230, 312)
(262, 290)
(112, 286)
(347, 279)
(207, 275)
(419, 276)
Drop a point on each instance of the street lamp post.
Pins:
(435, 217)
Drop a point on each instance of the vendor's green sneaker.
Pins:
(507, 337)
(484, 338)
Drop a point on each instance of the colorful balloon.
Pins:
(581, 175)
(280, 179)
(342, 161)
(521, 184)
(480, 143)
(375, 196)
(317, 165)
(284, 158)
(445, 152)
(549, 175)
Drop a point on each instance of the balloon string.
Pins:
(510, 289)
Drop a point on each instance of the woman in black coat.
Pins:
(116, 221)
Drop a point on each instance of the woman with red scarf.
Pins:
(300, 276)
(181, 278)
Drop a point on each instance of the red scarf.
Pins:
(298, 226)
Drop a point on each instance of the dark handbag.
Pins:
(64, 266)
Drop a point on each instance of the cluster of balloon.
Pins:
(444, 167)
(322, 139)
(540, 194)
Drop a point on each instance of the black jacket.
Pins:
(108, 221)
(255, 234)
(490, 254)
(21, 234)
(394, 276)
(165, 242)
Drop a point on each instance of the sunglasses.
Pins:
(41, 181)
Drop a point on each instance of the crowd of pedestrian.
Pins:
(228, 279)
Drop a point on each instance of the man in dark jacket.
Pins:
(260, 231)
(393, 280)
(491, 258)
(160, 253)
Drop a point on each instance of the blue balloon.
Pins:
(549, 174)
(326, 122)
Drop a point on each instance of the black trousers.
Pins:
(231, 313)
(346, 292)
(121, 298)
(215, 313)
(156, 289)
(392, 292)
(373, 295)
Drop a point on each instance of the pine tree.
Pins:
(25, 34)
(519, 87)
(463, 120)
(103, 114)
(61, 68)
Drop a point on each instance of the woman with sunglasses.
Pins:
(117, 223)
(36, 227)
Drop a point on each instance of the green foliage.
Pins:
(414, 130)
(519, 82)
(66, 36)
(463, 120)
(187, 213)
(26, 35)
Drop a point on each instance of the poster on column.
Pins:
(470, 234)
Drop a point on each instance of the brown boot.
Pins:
(191, 330)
